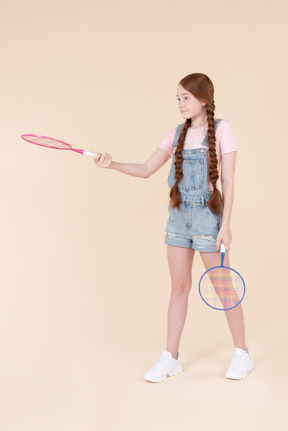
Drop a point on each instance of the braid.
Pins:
(215, 201)
(174, 192)
(202, 88)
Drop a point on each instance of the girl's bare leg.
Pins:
(234, 316)
(180, 266)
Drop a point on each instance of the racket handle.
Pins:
(89, 153)
(222, 249)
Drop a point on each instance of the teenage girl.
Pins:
(199, 217)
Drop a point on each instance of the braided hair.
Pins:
(202, 88)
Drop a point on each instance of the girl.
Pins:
(199, 217)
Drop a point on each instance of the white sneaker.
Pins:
(165, 366)
(240, 365)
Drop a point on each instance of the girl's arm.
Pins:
(227, 182)
(142, 170)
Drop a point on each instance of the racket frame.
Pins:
(68, 146)
(222, 250)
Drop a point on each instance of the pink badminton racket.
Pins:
(45, 141)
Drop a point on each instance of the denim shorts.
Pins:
(193, 225)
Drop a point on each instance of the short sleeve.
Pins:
(227, 138)
(167, 141)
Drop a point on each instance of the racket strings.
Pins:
(46, 142)
(222, 288)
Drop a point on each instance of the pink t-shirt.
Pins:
(225, 141)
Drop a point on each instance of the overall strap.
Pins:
(205, 141)
(177, 134)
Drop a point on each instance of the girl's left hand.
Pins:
(225, 236)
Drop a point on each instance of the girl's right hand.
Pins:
(103, 160)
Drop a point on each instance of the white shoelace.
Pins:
(235, 363)
(161, 362)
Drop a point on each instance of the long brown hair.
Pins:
(202, 88)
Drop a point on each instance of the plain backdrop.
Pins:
(85, 281)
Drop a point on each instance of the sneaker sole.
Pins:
(173, 373)
(243, 376)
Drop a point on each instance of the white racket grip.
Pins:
(222, 247)
(89, 153)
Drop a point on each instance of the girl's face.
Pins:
(188, 105)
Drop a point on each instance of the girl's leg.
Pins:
(180, 266)
(234, 316)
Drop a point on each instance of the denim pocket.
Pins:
(212, 215)
(193, 175)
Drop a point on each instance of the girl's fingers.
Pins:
(107, 161)
(96, 158)
(103, 160)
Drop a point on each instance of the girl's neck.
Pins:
(198, 127)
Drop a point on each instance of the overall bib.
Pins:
(193, 225)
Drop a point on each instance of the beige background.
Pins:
(84, 274)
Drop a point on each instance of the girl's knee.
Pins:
(181, 287)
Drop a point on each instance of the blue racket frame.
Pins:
(222, 251)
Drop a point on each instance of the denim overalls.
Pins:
(193, 225)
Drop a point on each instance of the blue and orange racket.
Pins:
(221, 287)
(45, 141)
